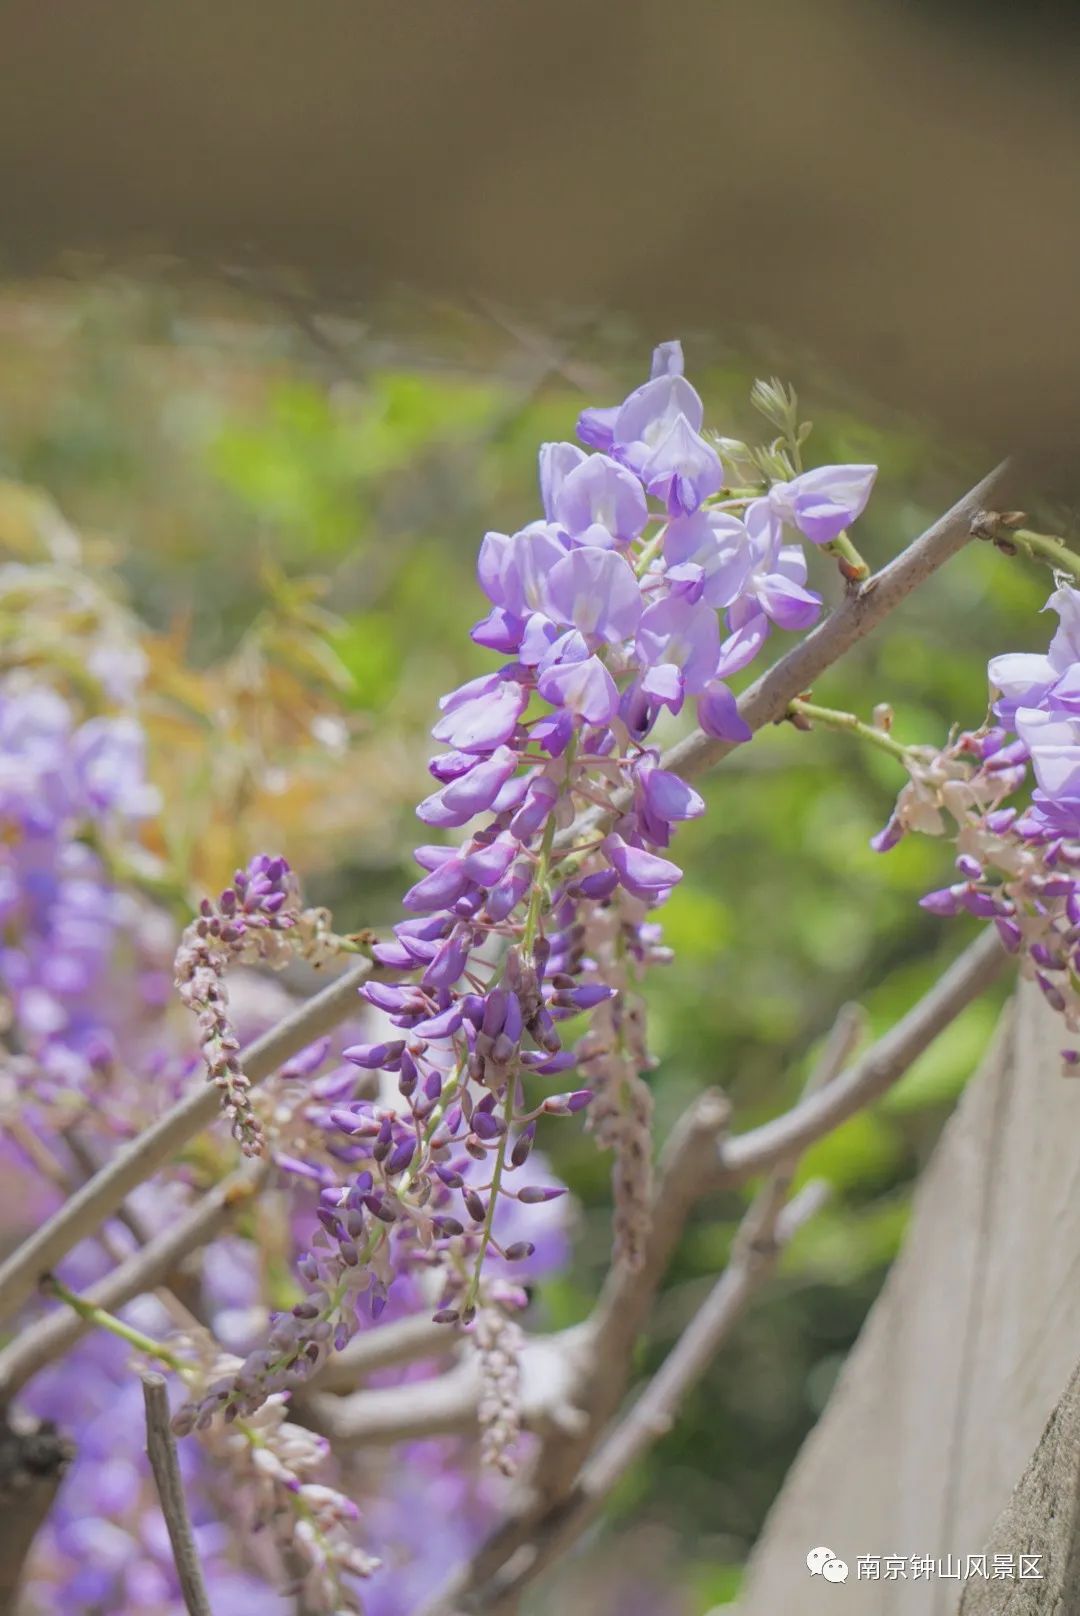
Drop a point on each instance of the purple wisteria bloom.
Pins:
(64, 784)
(656, 432)
(824, 502)
(1034, 679)
(599, 502)
(1018, 866)
(631, 598)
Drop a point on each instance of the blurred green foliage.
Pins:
(207, 439)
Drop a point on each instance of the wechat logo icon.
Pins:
(823, 1563)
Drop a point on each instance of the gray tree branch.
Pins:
(50, 1337)
(161, 1451)
(137, 1161)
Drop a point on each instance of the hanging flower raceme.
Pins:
(258, 920)
(638, 591)
(1018, 863)
(72, 794)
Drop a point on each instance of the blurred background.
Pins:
(294, 296)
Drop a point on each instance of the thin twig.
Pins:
(49, 1338)
(875, 1072)
(551, 1371)
(762, 1235)
(405, 1341)
(137, 1161)
(161, 1451)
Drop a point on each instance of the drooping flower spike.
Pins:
(1018, 861)
(638, 592)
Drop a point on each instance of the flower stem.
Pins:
(852, 565)
(650, 551)
(532, 922)
(1043, 547)
(539, 888)
(103, 1320)
(830, 718)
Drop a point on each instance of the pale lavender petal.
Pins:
(674, 630)
(557, 461)
(683, 470)
(669, 797)
(585, 688)
(1022, 679)
(717, 544)
(538, 638)
(486, 722)
(651, 411)
(664, 683)
(600, 492)
(596, 427)
(1065, 646)
(491, 565)
(743, 644)
(788, 604)
(499, 631)
(823, 502)
(532, 554)
(439, 889)
(472, 792)
(667, 360)
(1064, 696)
(597, 592)
(643, 874)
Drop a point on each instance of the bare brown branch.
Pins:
(690, 1168)
(868, 1078)
(161, 1451)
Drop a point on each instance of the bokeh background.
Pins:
(293, 294)
(292, 505)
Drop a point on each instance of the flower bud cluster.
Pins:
(272, 1464)
(257, 920)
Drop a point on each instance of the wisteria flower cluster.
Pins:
(66, 789)
(640, 590)
(1018, 862)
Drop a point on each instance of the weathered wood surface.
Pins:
(962, 1361)
(1042, 1518)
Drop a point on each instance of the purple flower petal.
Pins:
(682, 470)
(823, 502)
(718, 714)
(643, 874)
(674, 630)
(595, 591)
(600, 493)
(486, 722)
(585, 688)
(557, 461)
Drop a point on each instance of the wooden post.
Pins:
(946, 1394)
